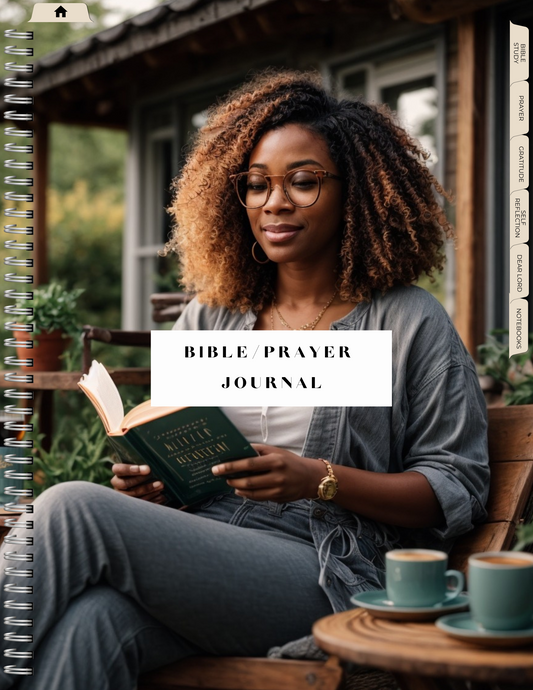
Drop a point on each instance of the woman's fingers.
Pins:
(121, 469)
(256, 481)
(147, 489)
(254, 464)
(136, 480)
(148, 496)
(126, 483)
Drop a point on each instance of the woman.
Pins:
(294, 211)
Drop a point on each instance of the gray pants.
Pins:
(122, 586)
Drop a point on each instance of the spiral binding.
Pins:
(20, 427)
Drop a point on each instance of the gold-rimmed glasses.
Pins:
(301, 187)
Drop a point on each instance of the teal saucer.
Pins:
(377, 604)
(462, 627)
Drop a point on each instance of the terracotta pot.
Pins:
(46, 350)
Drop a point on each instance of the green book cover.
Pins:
(182, 447)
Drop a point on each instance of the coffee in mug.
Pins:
(500, 587)
(505, 560)
(419, 577)
(417, 556)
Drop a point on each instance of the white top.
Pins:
(284, 427)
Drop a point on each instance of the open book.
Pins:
(180, 444)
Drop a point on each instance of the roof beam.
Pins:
(433, 11)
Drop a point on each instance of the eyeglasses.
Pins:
(301, 187)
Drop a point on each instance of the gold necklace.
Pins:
(307, 326)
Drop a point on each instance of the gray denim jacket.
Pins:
(437, 426)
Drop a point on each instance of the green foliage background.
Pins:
(85, 194)
(85, 225)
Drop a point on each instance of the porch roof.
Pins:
(171, 43)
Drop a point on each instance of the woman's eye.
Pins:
(303, 180)
(256, 185)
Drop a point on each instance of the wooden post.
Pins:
(470, 181)
(40, 184)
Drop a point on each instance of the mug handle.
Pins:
(460, 584)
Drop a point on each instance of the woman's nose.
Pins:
(278, 198)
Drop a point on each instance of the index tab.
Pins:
(519, 57)
(518, 327)
(519, 108)
(69, 12)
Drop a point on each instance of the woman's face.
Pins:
(286, 232)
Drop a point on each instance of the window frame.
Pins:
(142, 189)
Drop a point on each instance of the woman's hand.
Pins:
(137, 480)
(284, 476)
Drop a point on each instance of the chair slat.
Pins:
(511, 433)
(511, 484)
(495, 536)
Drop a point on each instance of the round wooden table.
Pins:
(416, 651)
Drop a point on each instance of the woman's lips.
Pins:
(280, 232)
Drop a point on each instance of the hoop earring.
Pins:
(255, 257)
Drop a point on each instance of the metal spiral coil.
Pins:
(15, 244)
(13, 50)
(22, 311)
(13, 464)
(13, 196)
(13, 261)
(16, 362)
(13, 33)
(15, 230)
(18, 378)
(13, 294)
(10, 147)
(14, 132)
(19, 100)
(16, 278)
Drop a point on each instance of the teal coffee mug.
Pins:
(419, 577)
(500, 589)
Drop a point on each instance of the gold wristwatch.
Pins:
(328, 485)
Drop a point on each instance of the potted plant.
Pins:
(510, 379)
(53, 324)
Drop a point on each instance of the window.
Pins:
(159, 136)
(157, 169)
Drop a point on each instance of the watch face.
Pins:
(328, 488)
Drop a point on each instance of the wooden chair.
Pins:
(510, 503)
(166, 307)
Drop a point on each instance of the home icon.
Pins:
(61, 12)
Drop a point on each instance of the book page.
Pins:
(101, 389)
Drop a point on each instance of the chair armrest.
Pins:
(112, 337)
(168, 306)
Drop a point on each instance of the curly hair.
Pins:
(393, 227)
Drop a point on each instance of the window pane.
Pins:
(416, 105)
